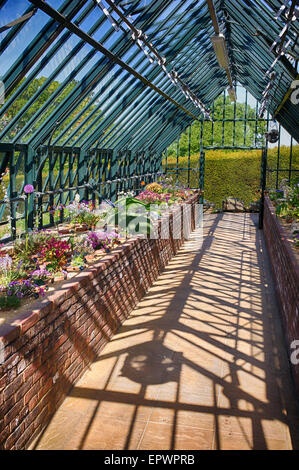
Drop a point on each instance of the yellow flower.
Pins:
(154, 187)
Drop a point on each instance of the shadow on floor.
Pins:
(200, 363)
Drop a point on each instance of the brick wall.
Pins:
(286, 274)
(44, 351)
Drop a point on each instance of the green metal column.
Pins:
(263, 186)
(12, 193)
(147, 165)
(166, 160)
(51, 183)
(112, 176)
(39, 187)
(177, 160)
(29, 167)
(201, 175)
(82, 161)
(189, 154)
(290, 161)
(278, 158)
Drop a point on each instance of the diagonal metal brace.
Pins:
(18, 20)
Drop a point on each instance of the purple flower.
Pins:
(20, 264)
(5, 263)
(42, 291)
(113, 235)
(28, 189)
(40, 273)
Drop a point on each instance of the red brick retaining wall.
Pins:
(286, 273)
(44, 351)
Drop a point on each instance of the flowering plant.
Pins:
(54, 254)
(8, 272)
(94, 240)
(83, 213)
(22, 288)
(102, 240)
(112, 238)
(183, 193)
(83, 246)
(39, 276)
(288, 205)
(25, 250)
(5, 263)
(165, 191)
(78, 261)
(150, 197)
(28, 189)
(154, 187)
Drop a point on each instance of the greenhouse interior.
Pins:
(149, 225)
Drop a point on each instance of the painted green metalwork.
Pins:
(263, 186)
(41, 42)
(101, 117)
(202, 175)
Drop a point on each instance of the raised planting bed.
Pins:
(285, 267)
(38, 280)
(47, 347)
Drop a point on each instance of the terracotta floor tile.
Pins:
(79, 404)
(200, 362)
(189, 438)
(123, 411)
(250, 425)
(183, 418)
(59, 429)
(106, 434)
(184, 398)
(121, 344)
(243, 442)
(231, 395)
(158, 436)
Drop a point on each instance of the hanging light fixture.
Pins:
(218, 41)
(272, 135)
(232, 93)
(220, 47)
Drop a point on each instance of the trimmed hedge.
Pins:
(235, 173)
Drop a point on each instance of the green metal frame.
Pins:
(183, 165)
(110, 119)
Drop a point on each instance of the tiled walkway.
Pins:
(200, 364)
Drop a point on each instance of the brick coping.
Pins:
(18, 325)
(283, 237)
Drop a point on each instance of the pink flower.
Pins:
(28, 189)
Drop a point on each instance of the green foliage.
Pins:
(233, 173)
(222, 136)
(43, 100)
(287, 205)
(24, 249)
(127, 211)
(77, 261)
(8, 302)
